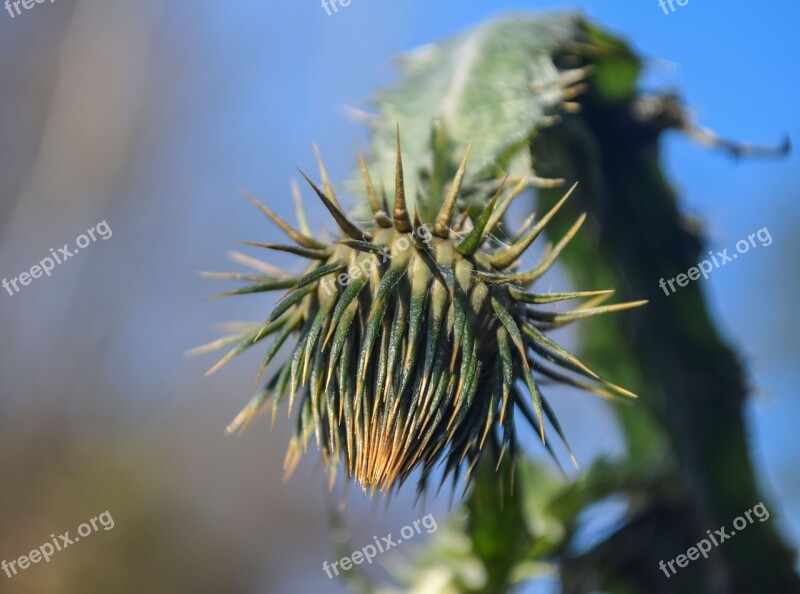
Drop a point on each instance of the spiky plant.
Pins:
(413, 337)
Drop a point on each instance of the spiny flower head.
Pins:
(415, 343)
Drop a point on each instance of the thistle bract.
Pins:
(415, 342)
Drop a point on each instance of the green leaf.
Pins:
(494, 85)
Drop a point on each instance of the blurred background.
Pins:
(150, 115)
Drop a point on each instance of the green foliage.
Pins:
(493, 85)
